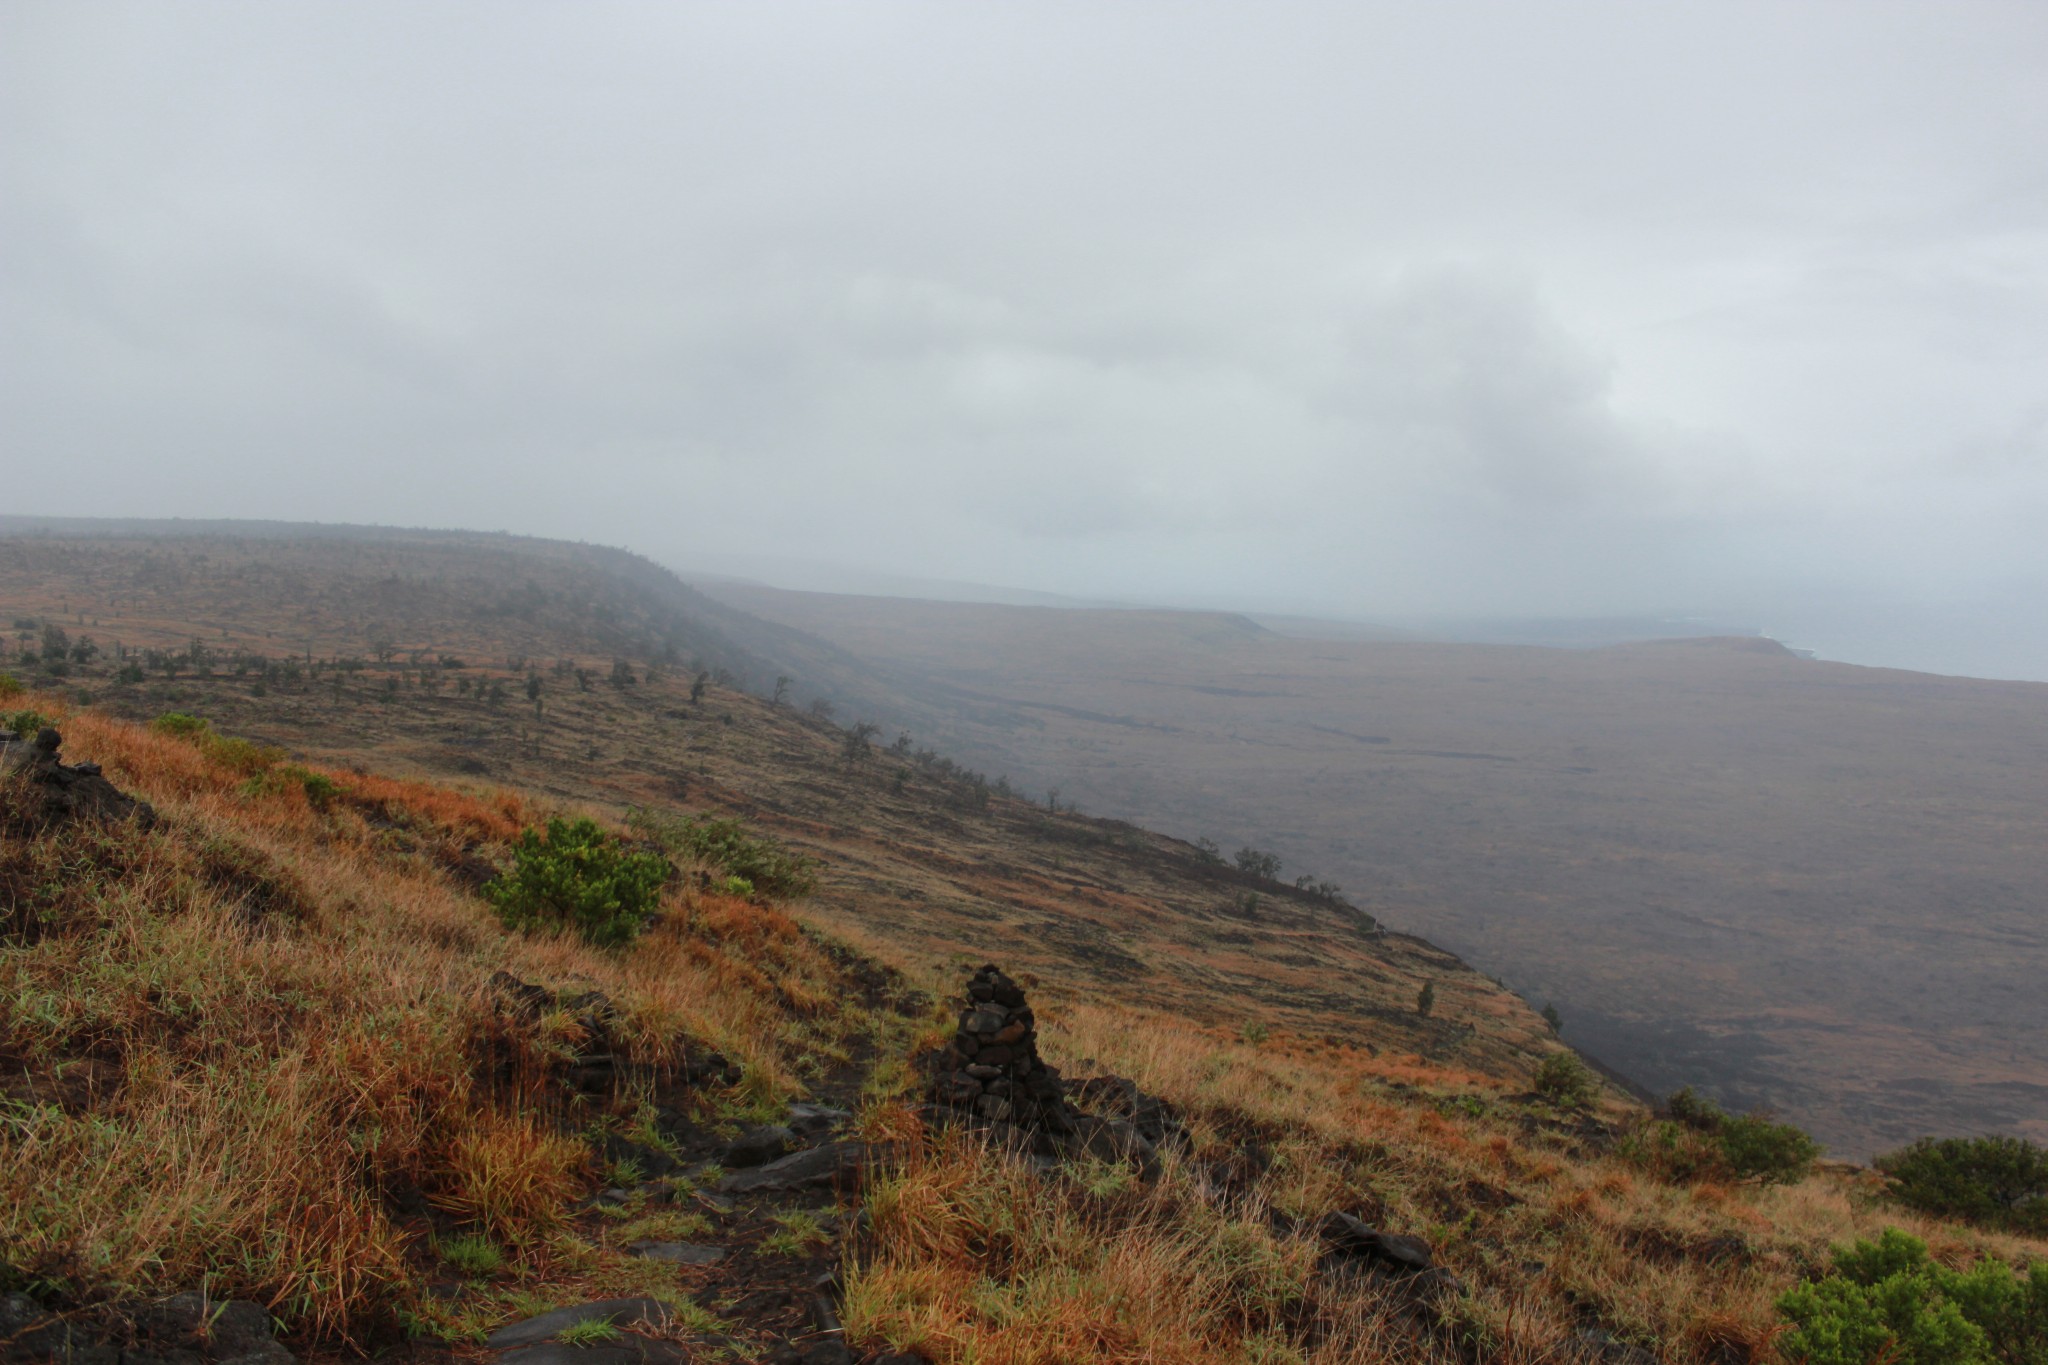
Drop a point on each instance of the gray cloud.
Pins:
(1557, 309)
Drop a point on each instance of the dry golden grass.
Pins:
(981, 1260)
(227, 1042)
(1089, 904)
(227, 1045)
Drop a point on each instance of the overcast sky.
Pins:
(1375, 311)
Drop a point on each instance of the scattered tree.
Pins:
(1256, 863)
(1425, 1000)
(855, 749)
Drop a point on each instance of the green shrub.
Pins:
(243, 755)
(10, 686)
(1700, 1141)
(25, 723)
(319, 788)
(1689, 1107)
(1775, 1153)
(575, 876)
(1996, 1181)
(1675, 1153)
(727, 845)
(1564, 1080)
(1886, 1301)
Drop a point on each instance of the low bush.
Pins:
(1757, 1148)
(734, 850)
(243, 755)
(1994, 1181)
(10, 686)
(319, 788)
(1888, 1301)
(575, 876)
(24, 723)
(1698, 1140)
(1565, 1081)
(1675, 1153)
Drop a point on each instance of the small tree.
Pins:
(855, 749)
(1997, 1181)
(1553, 1018)
(1257, 863)
(575, 876)
(1564, 1080)
(782, 682)
(697, 686)
(1425, 1000)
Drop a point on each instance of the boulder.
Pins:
(679, 1253)
(1598, 1346)
(56, 792)
(835, 1163)
(618, 1312)
(759, 1146)
(1349, 1236)
(810, 1120)
(1118, 1140)
(558, 1353)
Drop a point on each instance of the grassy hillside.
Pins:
(1810, 885)
(260, 1047)
(911, 849)
(256, 1048)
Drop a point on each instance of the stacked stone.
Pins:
(992, 1069)
(57, 791)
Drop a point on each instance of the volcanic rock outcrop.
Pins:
(50, 790)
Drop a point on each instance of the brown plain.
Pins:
(1808, 885)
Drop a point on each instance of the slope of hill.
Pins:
(277, 1047)
(416, 653)
(1809, 885)
(274, 1048)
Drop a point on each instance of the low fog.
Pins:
(1488, 310)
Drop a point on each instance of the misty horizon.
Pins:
(1731, 311)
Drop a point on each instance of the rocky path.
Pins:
(755, 1224)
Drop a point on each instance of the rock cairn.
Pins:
(58, 791)
(991, 1069)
